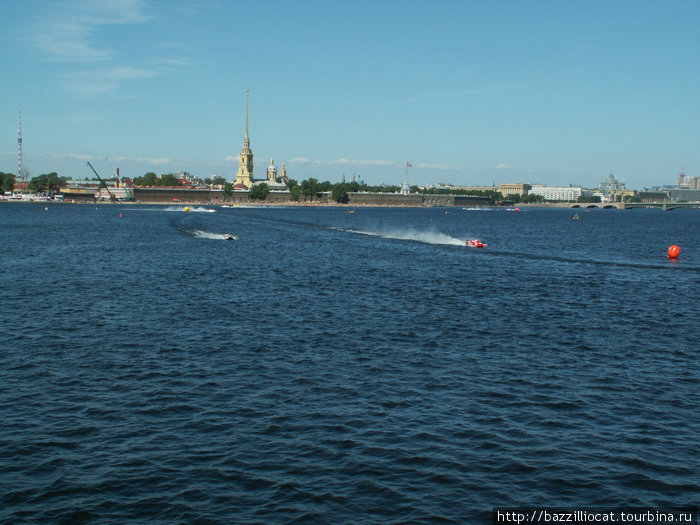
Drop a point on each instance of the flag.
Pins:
(408, 165)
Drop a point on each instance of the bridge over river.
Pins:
(631, 205)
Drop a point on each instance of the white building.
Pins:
(555, 193)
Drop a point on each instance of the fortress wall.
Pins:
(166, 195)
(384, 199)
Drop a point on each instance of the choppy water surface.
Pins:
(333, 368)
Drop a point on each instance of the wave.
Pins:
(189, 209)
(211, 235)
(666, 265)
(427, 237)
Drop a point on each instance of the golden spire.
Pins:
(247, 141)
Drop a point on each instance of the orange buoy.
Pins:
(674, 251)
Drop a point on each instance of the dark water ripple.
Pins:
(309, 373)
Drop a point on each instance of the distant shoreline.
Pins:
(304, 204)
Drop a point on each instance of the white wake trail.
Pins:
(211, 235)
(428, 237)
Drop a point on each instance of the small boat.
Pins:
(475, 243)
(576, 217)
(229, 237)
(350, 211)
(187, 208)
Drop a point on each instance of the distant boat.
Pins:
(475, 243)
(350, 211)
(576, 217)
(187, 208)
(229, 237)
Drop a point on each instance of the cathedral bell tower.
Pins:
(244, 175)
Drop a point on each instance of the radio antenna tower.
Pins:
(19, 148)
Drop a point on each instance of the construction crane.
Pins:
(119, 182)
(111, 195)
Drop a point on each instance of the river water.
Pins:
(327, 367)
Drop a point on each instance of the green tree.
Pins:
(259, 192)
(215, 181)
(7, 181)
(228, 189)
(324, 186)
(309, 188)
(149, 179)
(170, 180)
(294, 189)
(339, 193)
(533, 198)
(46, 182)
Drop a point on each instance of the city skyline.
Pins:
(468, 93)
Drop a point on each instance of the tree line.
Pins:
(313, 189)
(44, 183)
(150, 179)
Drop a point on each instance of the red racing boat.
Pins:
(475, 243)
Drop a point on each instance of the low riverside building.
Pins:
(513, 188)
(684, 195)
(557, 193)
(475, 188)
(80, 190)
(652, 196)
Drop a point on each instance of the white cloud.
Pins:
(76, 156)
(304, 160)
(440, 167)
(342, 162)
(104, 80)
(67, 28)
(350, 162)
(84, 157)
(146, 160)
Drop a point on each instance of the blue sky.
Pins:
(468, 92)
